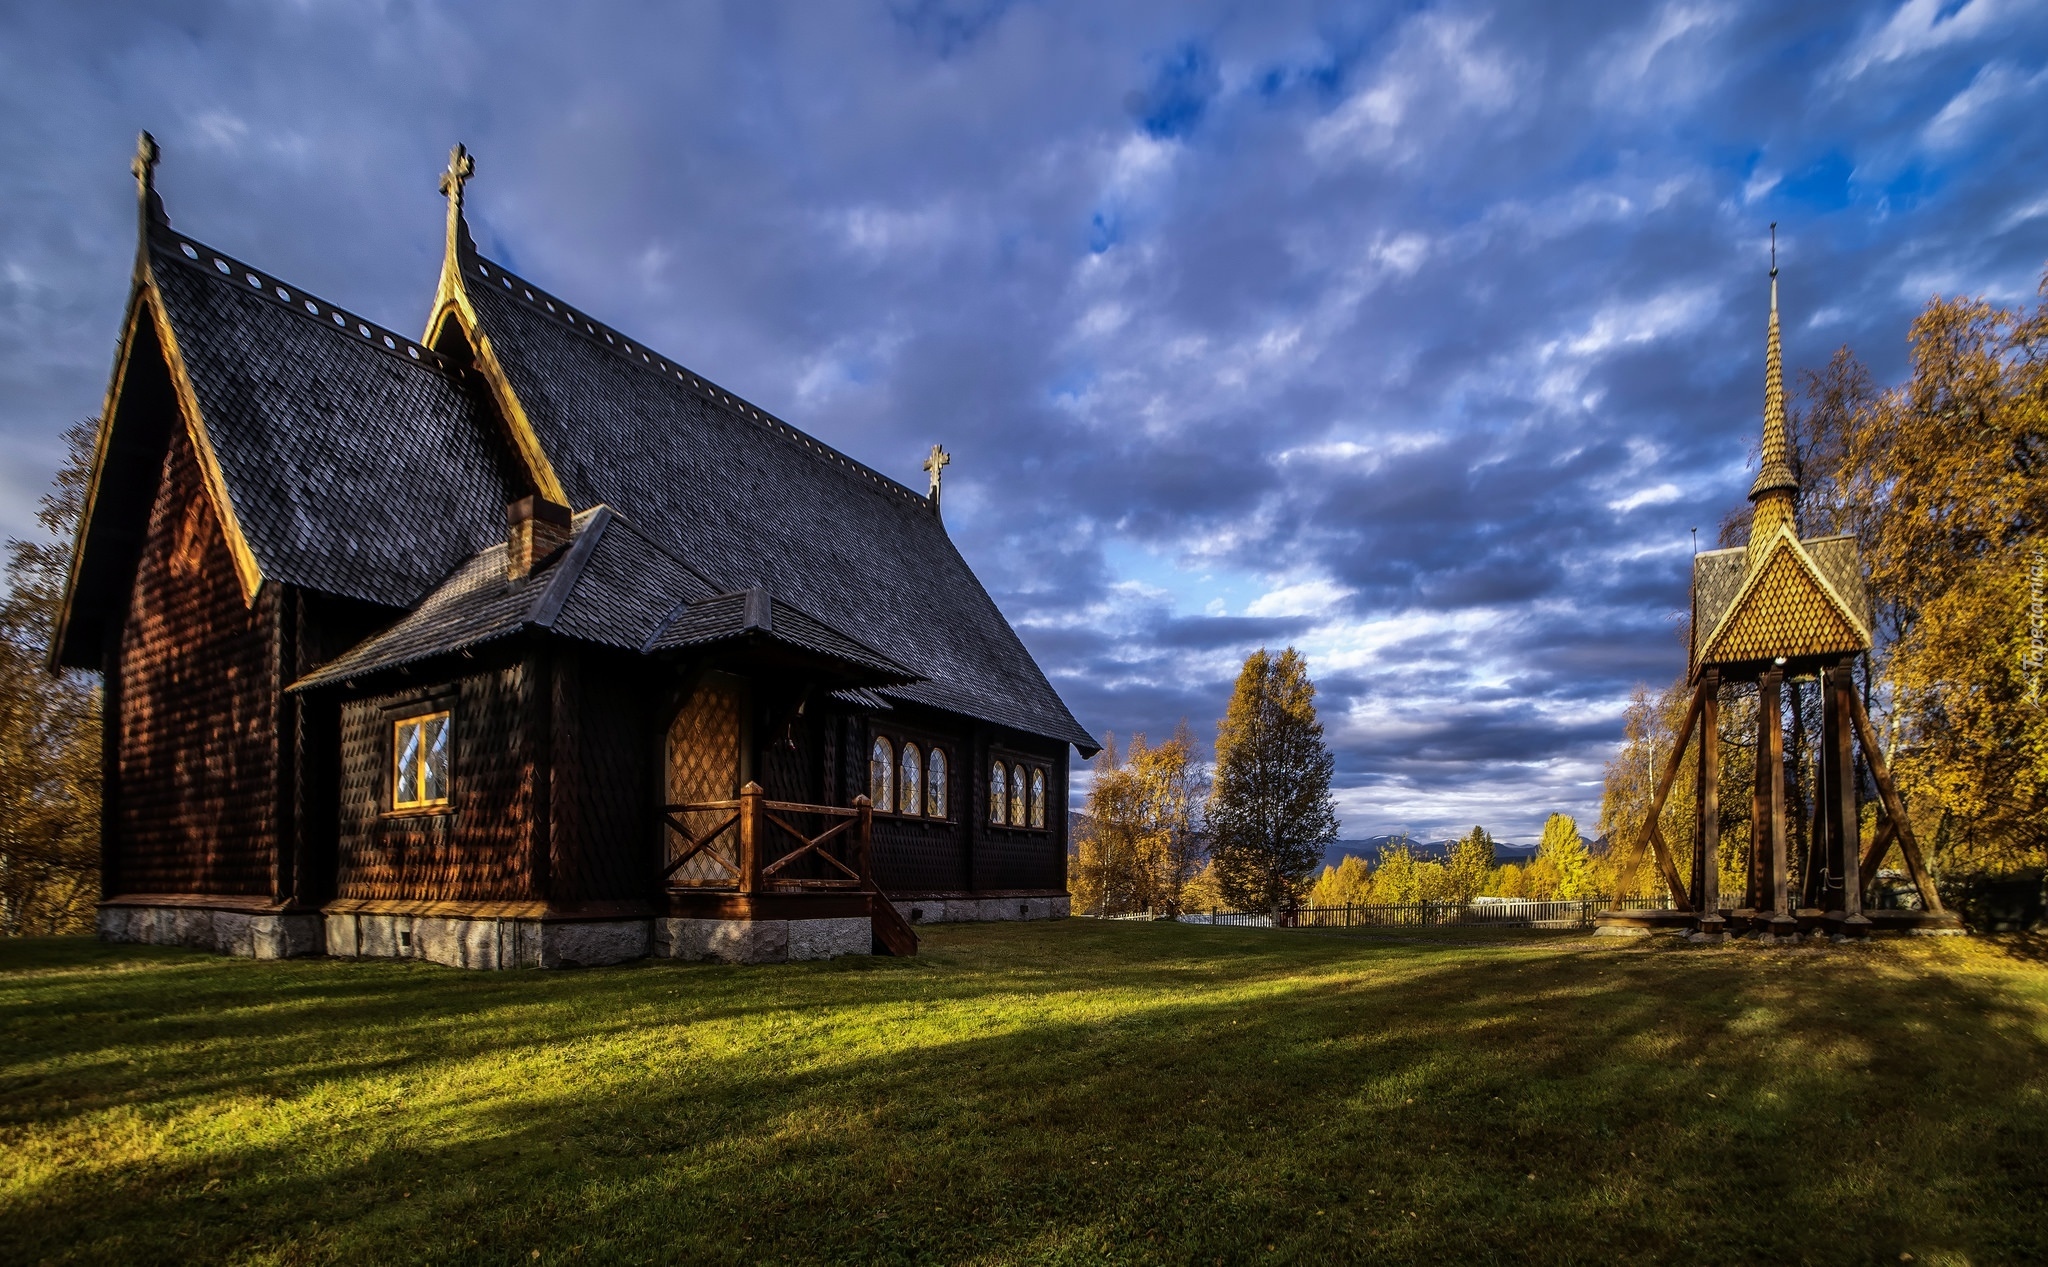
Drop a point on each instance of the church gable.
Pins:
(197, 676)
(1785, 609)
(357, 463)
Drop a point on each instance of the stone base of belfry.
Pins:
(250, 934)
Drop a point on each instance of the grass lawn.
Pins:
(1075, 1091)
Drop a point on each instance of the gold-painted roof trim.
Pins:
(247, 569)
(451, 298)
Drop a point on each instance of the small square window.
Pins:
(419, 761)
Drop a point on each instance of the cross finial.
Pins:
(935, 463)
(460, 168)
(144, 167)
(146, 156)
(1774, 248)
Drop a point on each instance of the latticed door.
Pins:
(703, 764)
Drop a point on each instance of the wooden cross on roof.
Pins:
(460, 168)
(935, 463)
(144, 167)
(146, 156)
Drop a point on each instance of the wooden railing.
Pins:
(742, 843)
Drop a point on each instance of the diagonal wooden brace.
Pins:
(1651, 835)
(1894, 808)
(696, 845)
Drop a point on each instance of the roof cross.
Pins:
(144, 167)
(146, 156)
(935, 463)
(460, 168)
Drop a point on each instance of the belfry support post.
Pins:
(1844, 834)
(1770, 773)
(1707, 850)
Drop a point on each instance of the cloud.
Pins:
(1418, 337)
(1439, 68)
(1918, 27)
(1994, 86)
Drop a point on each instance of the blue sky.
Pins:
(1418, 336)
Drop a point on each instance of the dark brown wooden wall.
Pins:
(606, 778)
(194, 757)
(966, 853)
(483, 847)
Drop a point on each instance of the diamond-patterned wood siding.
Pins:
(703, 764)
(1785, 612)
(481, 847)
(195, 733)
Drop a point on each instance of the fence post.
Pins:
(862, 840)
(750, 837)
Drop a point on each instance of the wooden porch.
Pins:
(749, 858)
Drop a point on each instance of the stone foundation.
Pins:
(963, 910)
(468, 941)
(479, 942)
(250, 934)
(763, 940)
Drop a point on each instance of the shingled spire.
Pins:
(1776, 491)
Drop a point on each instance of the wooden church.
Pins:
(522, 644)
(1769, 614)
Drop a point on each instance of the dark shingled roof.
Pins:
(355, 468)
(1842, 564)
(611, 585)
(361, 463)
(751, 502)
(1716, 580)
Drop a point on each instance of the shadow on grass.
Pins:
(1074, 1091)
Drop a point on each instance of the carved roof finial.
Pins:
(461, 166)
(143, 165)
(935, 463)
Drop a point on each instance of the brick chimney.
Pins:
(534, 529)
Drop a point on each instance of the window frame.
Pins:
(417, 714)
(944, 797)
(926, 745)
(1023, 769)
(998, 792)
(889, 764)
(907, 755)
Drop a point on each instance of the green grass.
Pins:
(1068, 1092)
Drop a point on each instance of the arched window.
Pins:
(1038, 798)
(935, 784)
(998, 793)
(1017, 818)
(882, 776)
(912, 781)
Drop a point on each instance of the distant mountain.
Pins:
(1369, 850)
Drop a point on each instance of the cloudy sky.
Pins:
(1418, 336)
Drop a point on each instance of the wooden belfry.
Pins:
(1780, 609)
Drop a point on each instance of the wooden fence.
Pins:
(1514, 913)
